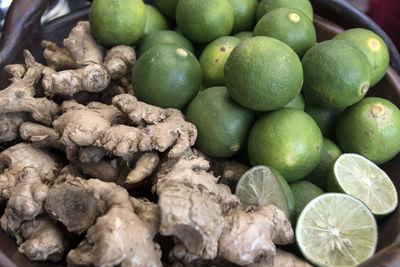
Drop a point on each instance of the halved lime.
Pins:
(262, 185)
(356, 175)
(335, 229)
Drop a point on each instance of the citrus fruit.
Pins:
(325, 118)
(290, 26)
(222, 125)
(336, 230)
(370, 128)
(372, 46)
(167, 7)
(154, 21)
(266, 6)
(304, 192)
(262, 185)
(203, 21)
(243, 35)
(117, 22)
(212, 59)
(244, 12)
(296, 103)
(336, 74)
(263, 73)
(329, 154)
(162, 38)
(359, 177)
(166, 76)
(288, 140)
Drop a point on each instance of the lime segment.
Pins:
(357, 176)
(262, 186)
(335, 229)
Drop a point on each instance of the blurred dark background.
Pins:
(57, 8)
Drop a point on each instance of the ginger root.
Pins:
(82, 46)
(119, 61)
(15, 159)
(40, 135)
(118, 236)
(91, 76)
(43, 240)
(144, 167)
(19, 95)
(57, 58)
(9, 124)
(210, 221)
(26, 202)
(15, 71)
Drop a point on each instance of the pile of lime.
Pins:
(253, 80)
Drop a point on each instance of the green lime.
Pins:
(117, 22)
(304, 192)
(222, 125)
(163, 38)
(203, 21)
(154, 21)
(296, 103)
(325, 118)
(370, 128)
(243, 35)
(290, 26)
(329, 154)
(244, 12)
(359, 177)
(212, 60)
(262, 185)
(372, 46)
(336, 75)
(167, 7)
(287, 140)
(336, 230)
(166, 76)
(266, 6)
(263, 73)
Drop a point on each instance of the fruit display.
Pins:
(198, 133)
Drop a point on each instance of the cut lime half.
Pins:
(262, 186)
(336, 229)
(358, 176)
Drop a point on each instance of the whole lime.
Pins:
(166, 76)
(243, 35)
(117, 22)
(370, 128)
(325, 118)
(296, 103)
(221, 123)
(303, 192)
(266, 6)
(336, 74)
(162, 38)
(155, 21)
(372, 46)
(167, 7)
(290, 26)
(204, 20)
(287, 140)
(244, 12)
(319, 175)
(263, 74)
(213, 58)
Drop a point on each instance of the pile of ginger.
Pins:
(80, 154)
